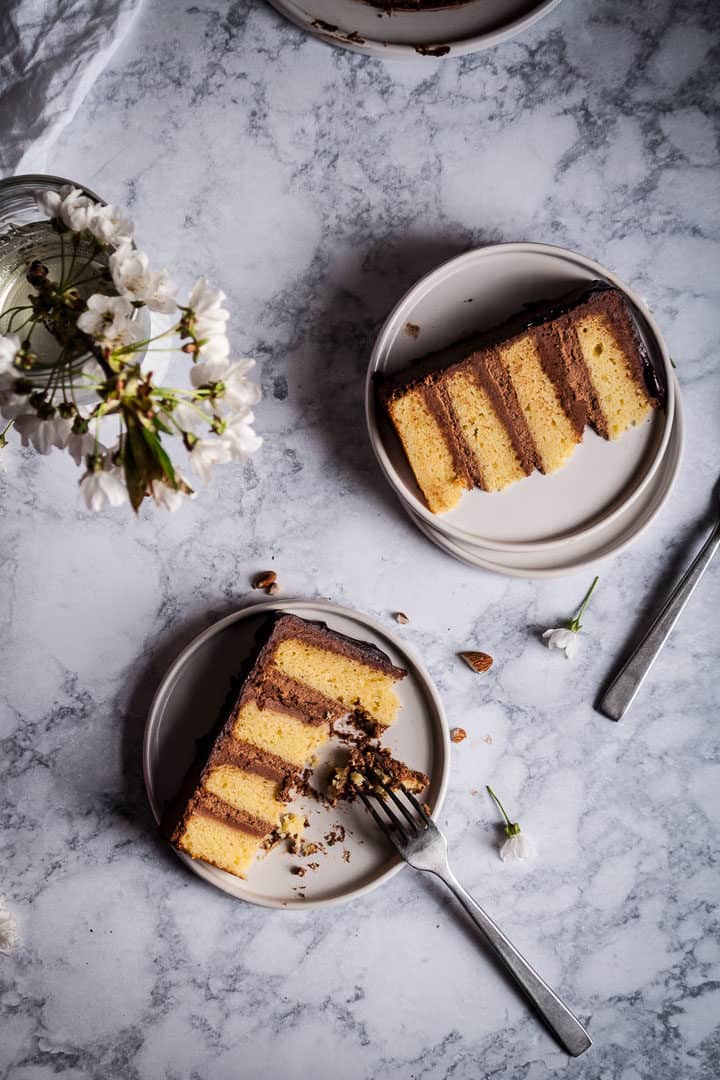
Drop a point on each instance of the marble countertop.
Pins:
(314, 186)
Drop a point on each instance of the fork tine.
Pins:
(418, 805)
(387, 829)
(395, 822)
(402, 808)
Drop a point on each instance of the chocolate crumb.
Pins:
(336, 835)
(346, 855)
(401, 617)
(299, 870)
(412, 329)
(313, 865)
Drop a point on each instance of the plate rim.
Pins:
(298, 15)
(481, 563)
(424, 285)
(209, 873)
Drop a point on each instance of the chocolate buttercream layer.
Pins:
(598, 295)
(229, 750)
(207, 805)
(272, 689)
(495, 378)
(439, 405)
(322, 637)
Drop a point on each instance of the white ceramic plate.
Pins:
(587, 551)
(467, 28)
(476, 291)
(187, 704)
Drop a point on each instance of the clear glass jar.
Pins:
(26, 235)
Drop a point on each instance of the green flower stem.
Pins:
(512, 828)
(575, 623)
(3, 433)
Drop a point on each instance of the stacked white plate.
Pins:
(425, 35)
(605, 496)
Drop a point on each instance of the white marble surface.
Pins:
(315, 186)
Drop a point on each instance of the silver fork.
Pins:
(421, 844)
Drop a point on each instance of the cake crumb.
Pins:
(412, 329)
(336, 835)
(488, 739)
(401, 617)
(457, 734)
(346, 855)
(313, 866)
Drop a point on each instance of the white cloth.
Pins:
(51, 52)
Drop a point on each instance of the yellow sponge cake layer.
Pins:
(551, 430)
(280, 733)
(623, 401)
(215, 842)
(257, 795)
(339, 677)
(426, 448)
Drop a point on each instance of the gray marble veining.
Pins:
(314, 186)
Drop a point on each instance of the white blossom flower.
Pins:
(100, 486)
(237, 393)
(190, 417)
(167, 497)
(565, 638)
(107, 319)
(108, 227)
(214, 348)
(240, 392)
(518, 844)
(239, 436)
(9, 348)
(80, 444)
(206, 453)
(206, 306)
(209, 371)
(8, 928)
(516, 847)
(70, 205)
(133, 279)
(42, 432)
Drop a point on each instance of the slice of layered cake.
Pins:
(303, 678)
(490, 410)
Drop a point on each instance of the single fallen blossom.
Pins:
(518, 844)
(8, 928)
(566, 638)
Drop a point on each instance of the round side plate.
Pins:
(476, 291)
(187, 705)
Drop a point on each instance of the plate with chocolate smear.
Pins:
(521, 401)
(264, 732)
(424, 30)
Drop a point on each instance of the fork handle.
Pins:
(623, 689)
(556, 1015)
